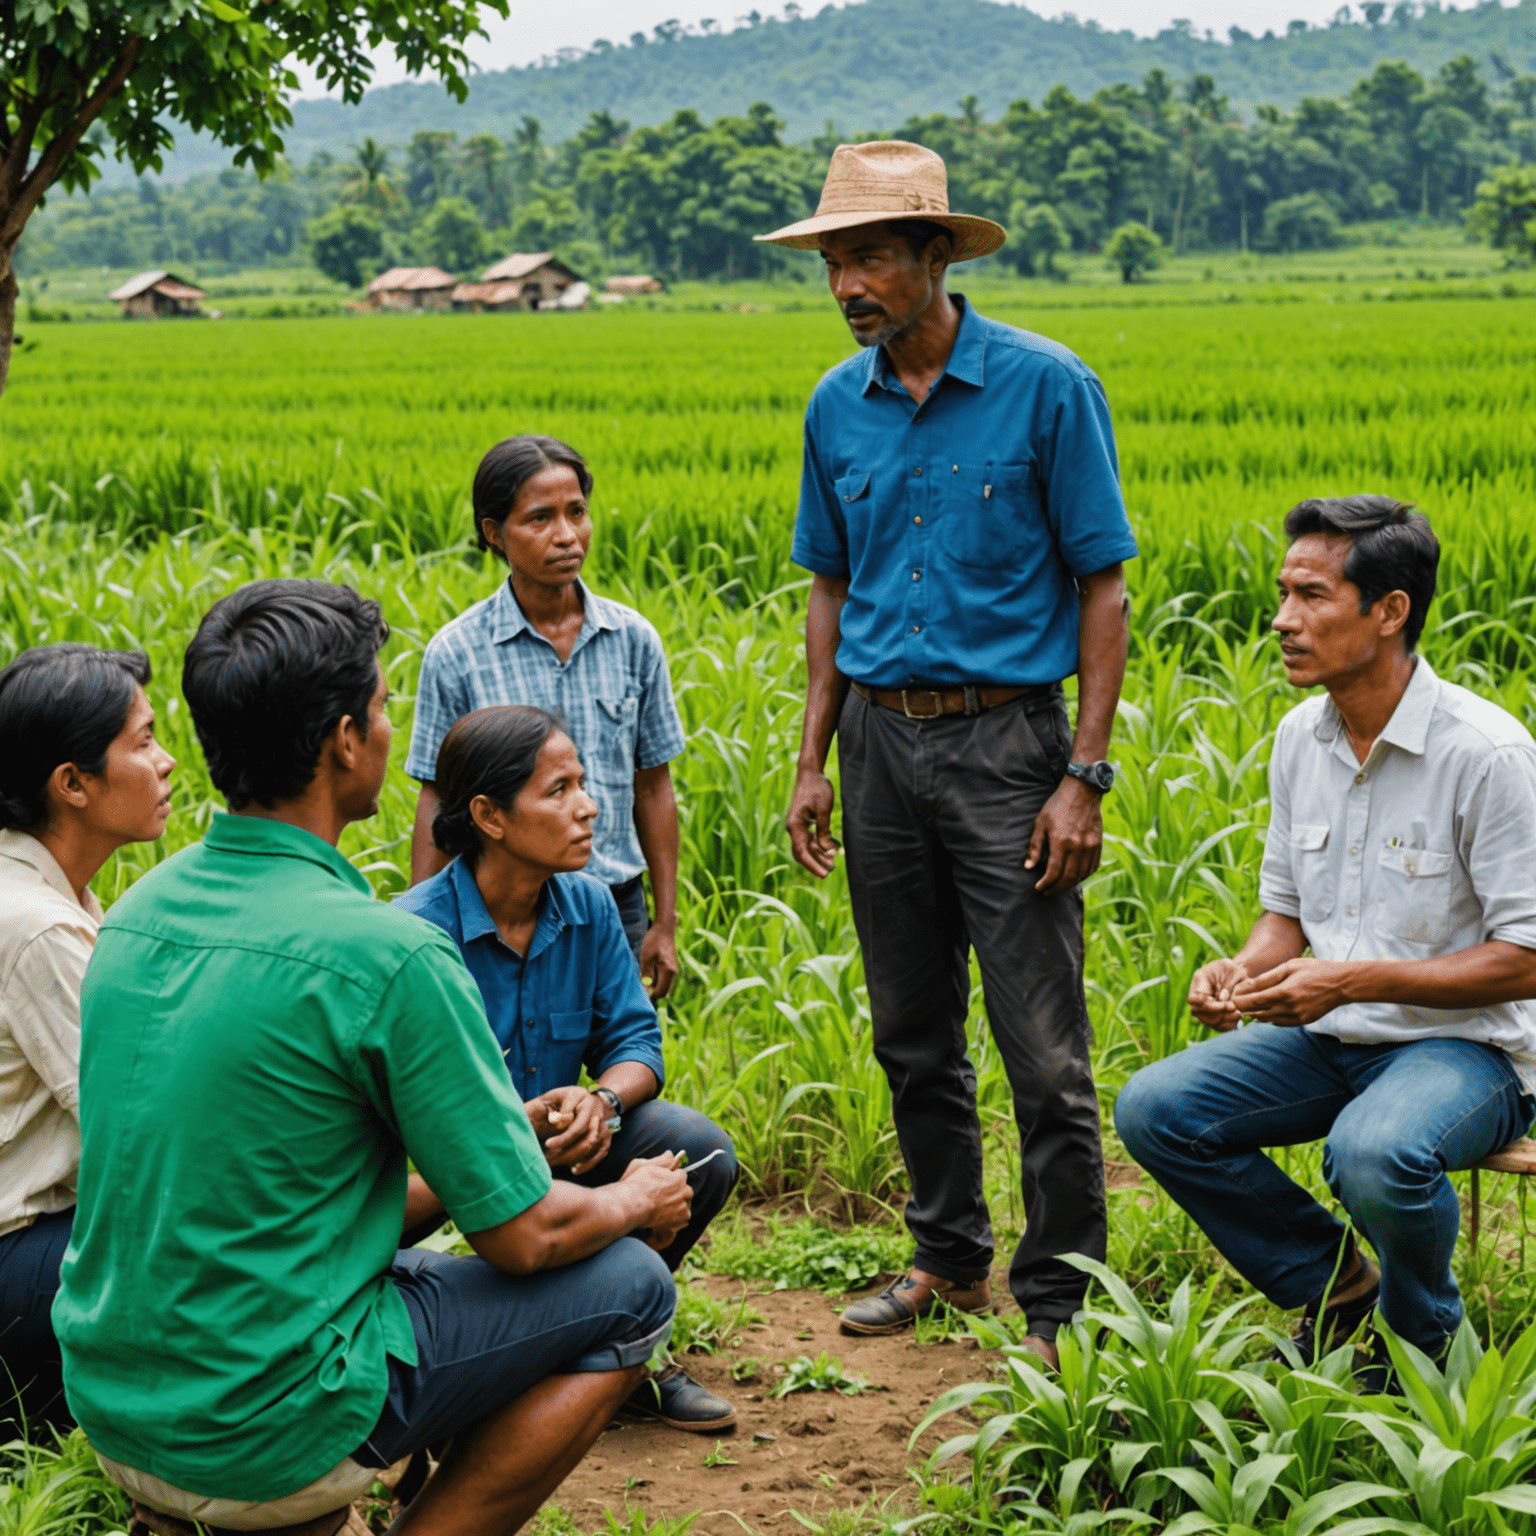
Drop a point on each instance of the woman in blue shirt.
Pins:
(547, 948)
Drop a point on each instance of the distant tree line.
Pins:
(684, 198)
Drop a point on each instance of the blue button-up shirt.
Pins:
(613, 691)
(962, 522)
(574, 1000)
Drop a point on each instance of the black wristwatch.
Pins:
(1099, 777)
(615, 1103)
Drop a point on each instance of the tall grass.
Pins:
(145, 471)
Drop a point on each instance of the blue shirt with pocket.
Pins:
(961, 524)
(576, 998)
(613, 692)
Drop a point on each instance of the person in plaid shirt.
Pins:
(544, 638)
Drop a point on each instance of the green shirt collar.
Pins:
(263, 838)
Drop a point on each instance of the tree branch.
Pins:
(42, 176)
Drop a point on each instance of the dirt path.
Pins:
(812, 1451)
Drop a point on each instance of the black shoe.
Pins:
(677, 1399)
(1338, 1322)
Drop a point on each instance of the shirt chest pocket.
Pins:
(991, 512)
(618, 720)
(1312, 870)
(855, 500)
(1413, 894)
(570, 1026)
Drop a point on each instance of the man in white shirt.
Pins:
(1402, 854)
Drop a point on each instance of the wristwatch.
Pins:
(1099, 777)
(614, 1102)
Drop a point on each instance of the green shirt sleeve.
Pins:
(433, 1070)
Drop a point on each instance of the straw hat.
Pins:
(889, 179)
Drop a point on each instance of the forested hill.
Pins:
(869, 66)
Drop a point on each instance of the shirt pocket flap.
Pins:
(1309, 839)
(571, 1026)
(852, 486)
(619, 710)
(1415, 863)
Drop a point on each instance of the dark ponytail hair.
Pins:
(59, 704)
(510, 465)
(491, 752)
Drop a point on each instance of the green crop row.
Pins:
(144, 471)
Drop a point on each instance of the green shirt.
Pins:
(262, 1044)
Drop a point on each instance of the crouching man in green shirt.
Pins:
(263, 1046)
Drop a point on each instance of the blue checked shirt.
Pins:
(613, 692)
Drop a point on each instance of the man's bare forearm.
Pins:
(569, 1223)
(1274, 940)
(826, 687)
(1103, 643)
(1480, 977)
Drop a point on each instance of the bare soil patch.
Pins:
(811, 1451)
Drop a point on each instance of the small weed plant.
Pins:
(823, 1374)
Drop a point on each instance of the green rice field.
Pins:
(145, 470)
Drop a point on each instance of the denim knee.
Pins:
(641, 1283)
(1369, 1176)
(1145, 1109)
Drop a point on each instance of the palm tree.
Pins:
(368, 181)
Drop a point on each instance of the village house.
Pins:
(630, 287)
(412, 288)
(158, 293)
(524, 280)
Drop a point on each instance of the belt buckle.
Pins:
(906, 706)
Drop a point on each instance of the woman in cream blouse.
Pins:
(81, 774)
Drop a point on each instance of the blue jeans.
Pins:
(484, 1337)
(633, 911)
(31, 1372)
(1395, 1119)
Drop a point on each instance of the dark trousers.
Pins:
(32, 1383)
(633, 912)
(937, 816)
(655, 1127)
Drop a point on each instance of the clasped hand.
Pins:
(1222, 994)
(572, 1124)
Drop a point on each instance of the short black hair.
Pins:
(918, 234)
(510, 465)
(271, 671)
(1393, 549)
(489, 752)
(60, 704)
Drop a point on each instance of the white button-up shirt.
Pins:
(1426, 848)
(46, 938)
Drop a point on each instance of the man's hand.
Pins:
(1070, 832)
(1294, 992)
(1210, 993)
(658, 960)
(576, 1128)
(810, 822)
(672, 1197)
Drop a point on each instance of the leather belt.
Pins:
(930, 703)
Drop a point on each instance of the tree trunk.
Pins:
(7, 318)
(1243, 227)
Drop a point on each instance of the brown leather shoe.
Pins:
(1045, 1349)
(915, 1295)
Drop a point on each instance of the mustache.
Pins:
(858, 307)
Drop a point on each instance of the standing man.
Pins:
(960, 511)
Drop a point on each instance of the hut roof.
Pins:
(521, 263)
(165, 282)
(411, 279)
(487, 293)
(640, 283)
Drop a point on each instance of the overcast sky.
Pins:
(536, 29)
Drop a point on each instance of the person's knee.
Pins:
(1146, 1111)
(1370, 1173)
(649, 1292)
